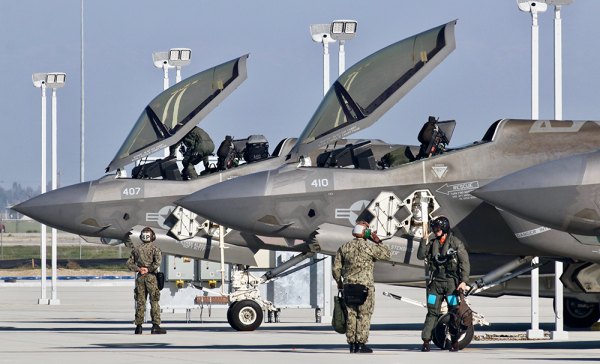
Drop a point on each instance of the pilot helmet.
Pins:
(147, 235)
(440, 223)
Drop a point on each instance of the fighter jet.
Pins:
(313, 199)
(561, 194)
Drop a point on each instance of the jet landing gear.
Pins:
(579, 314)
(245, 312)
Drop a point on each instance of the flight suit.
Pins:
(198, 146)
(446, 272)
(149, 256)
(353, 264)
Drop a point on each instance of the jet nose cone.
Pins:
(60, 208)
(552, 194)
(235, 203)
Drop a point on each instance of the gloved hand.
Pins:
(375, 238)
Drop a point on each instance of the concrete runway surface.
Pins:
(93, 324)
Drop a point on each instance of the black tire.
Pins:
(440, 334)
(579, 314)
(229, 312)
(245, 315)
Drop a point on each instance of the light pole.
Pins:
(320, 34)
(53, 80)
(342, 30)
(534, 7)
(558, 333)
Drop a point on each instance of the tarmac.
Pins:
(93, 324)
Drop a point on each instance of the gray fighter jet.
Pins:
(562, 194)
(314, 200)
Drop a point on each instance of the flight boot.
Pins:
(363, 348)
(425, 346)
(138, 329)
(156, 329)
(454, 346)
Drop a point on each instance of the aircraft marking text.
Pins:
(459, 190)
(532, 232)
(319, 182)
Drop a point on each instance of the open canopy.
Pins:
(373, 85)
(175, 111)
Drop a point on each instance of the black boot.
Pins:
(454, 346)
(363, 348)
(156, 329)
(352, 347)
(425, 346)
(138, 329)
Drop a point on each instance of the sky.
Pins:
(485, 79)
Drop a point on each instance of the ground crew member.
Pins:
(449, 267)
(197, 146)
(145, 260)
(353, 264)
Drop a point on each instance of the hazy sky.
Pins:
(486, 78)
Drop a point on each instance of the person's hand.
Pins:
(462, 287)
(375, 238)
(143, 270)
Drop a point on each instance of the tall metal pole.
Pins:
(325, 66)
(558, 333)
(535, 332)
(341, 57)
(177, 74)
(82, 134)
(54, 300)
(43, 300)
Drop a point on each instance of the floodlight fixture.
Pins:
(343, 29)
(533, 7)
(180, 57)
(320, 33)
(50, 79)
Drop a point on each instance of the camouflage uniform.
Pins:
(149, 256)
(353, 264)
(198, 146)
(445, 277)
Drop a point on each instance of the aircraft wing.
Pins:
(373, 85)
(186, 102)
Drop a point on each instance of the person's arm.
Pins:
(156, 259)
(464, 265)
(423, 249)
(336, 269)
(131, 263)
(378, 250)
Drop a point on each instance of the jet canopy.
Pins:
(175, 111)
(373, 85)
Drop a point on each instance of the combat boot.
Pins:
(425, 346)
(138, 329)
(363, 348)
(156, 329)
(353, 347)
(454, 346)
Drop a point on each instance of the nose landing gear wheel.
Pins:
(245, 315)
(441, 334)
